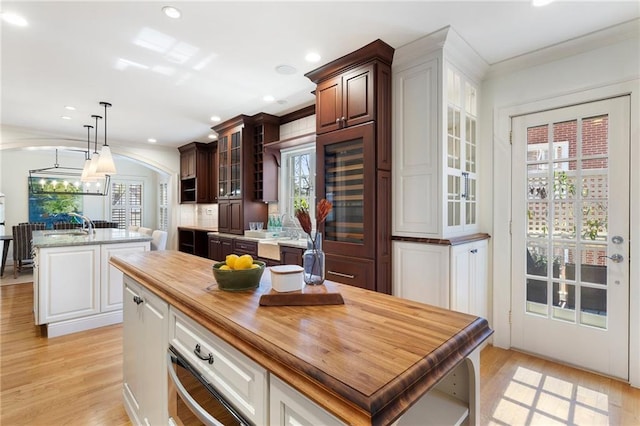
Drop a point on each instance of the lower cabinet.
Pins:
(144, 355)
(289, 407)
(354, 271)
(449, 276)
(291, 255)
(220, 247)
(77, 281)
(242, 382)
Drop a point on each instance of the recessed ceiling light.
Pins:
(312, 57)
(215, 118)
(14, 19)
(171, 12)
(66, 117)
(268, 98)
(70, 108)
(540, 3)
(213, 136)
(152, 140)
(286, 69)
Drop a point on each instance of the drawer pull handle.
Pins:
(199, 354)
(340, 274)
(474, 251)
(138, 300)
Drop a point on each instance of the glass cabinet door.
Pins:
(223, 166)
(235, 165)
(461, 148)
(347, 177)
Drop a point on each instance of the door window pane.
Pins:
(537, 297)
(564, 301)
(595, 135)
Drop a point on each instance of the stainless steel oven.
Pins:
(193, 400)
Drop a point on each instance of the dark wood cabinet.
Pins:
(266, 161)
(220, 247)
(353, 162)
(241, 247)
(291, 255)
(235, 189)
(193, 241)
(195, 173)
(345, 100)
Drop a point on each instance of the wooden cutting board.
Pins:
(309, 295)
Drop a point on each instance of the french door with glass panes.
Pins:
(570, 235)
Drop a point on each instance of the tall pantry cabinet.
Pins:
(353, 165)
(440, 256)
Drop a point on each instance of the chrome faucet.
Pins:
(85, 220)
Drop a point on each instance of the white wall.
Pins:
(595, 67)
(152, 164)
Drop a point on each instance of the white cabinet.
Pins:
(289, 407)
(75, 287)
(449, 276)
(240, 380)
(144, 355)
(435, 146)
(68, 281)
(421, 272)
(111, 277)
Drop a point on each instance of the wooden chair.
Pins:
(66, 225)
(105, 224)
(22, 247)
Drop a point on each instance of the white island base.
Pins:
(74, 286)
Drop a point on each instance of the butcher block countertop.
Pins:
(366, 361)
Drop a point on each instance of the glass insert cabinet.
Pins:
(347, 179)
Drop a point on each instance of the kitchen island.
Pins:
(74, 286)
(368, 361)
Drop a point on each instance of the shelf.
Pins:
(435, 408)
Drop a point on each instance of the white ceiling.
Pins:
(166, 78)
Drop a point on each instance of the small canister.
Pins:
(286, 278)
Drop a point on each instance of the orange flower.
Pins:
(323, 209)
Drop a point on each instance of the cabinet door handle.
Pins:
(338, 121)
(474, 251)
(340, 274)
(208, 358)
(465, 176)
(138, 300)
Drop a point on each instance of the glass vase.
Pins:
(313, 260)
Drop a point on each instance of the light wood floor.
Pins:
(77, 379)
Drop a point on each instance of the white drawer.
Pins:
(240, 380)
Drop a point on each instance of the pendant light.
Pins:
(95, 158)
(86, 174)
(106, 165)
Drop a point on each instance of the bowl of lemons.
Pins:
(238, 273)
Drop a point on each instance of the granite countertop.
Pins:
(75, 237)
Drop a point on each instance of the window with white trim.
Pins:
(126, 203)
(298, 178)
(163, 222)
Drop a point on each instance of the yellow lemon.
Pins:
(224, 268)
(231, 261)
(244, 262)
(254, 266)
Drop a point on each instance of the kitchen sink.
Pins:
(66, 233)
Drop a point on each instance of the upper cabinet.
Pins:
(237, 205)
(266, 161)
(345, 100)
(435, 142)
(353, 161)
(196, 173)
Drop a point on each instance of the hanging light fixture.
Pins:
(65, 181)
(95, 157)
(86, 174)
(105, 164)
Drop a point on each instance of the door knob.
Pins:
(617, 258)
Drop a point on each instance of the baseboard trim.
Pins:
(62, 328)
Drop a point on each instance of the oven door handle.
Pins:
(196, 409)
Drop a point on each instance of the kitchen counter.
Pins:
(75, 237)
(75, 287)
(365, 362)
